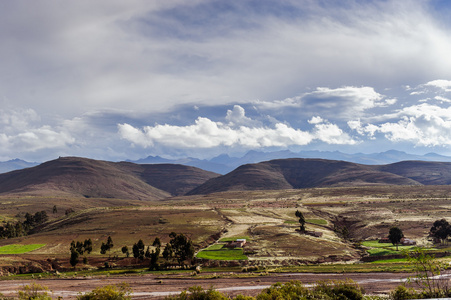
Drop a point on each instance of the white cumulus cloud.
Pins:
(205, 133)
(423, 125)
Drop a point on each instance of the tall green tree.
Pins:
(167, 252)
(125, 251)
(301, 217)
(74, 257)
(156, 242)
(87, 245)
(395, 235)
(441, 229)
(182, 247)
(138, 250)
(106, 247)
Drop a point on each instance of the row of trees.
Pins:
(179, 248)
(79, 248)
(17, 229)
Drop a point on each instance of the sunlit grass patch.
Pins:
(215, 247)
(19, 249)
(387, 261)
(223, 254)
(376, 244)
(316, 221)
(291, 222)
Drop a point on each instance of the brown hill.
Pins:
(427, 173)
(299, 173)
(101, 179)
(172, 178)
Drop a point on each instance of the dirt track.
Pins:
(156, 287)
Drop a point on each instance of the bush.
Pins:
(340, 290)
(402, 293)
(289, 291)
(198, 293)
(34, 291)
(108, 292)
(293, 290)
(333, 290)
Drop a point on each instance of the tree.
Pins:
(106, 247)
(147, 254)
(440, 229)
(301, 220)
(55, 209)
(167, 252)
(74, 257)
(182, 247)
(154, 259)
(109, 242)
(87, 245)
(103, 248)
(428, 275)
(125, 251)
(395, 235)
(156, 242)
(138, 250)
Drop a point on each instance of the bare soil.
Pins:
(157, 287)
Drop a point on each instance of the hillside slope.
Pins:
(427, 173)
(299, 173)
(101, 179)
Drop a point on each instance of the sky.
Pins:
(117, 80)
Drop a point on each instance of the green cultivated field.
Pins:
(218, 252)
(19, 249)
(228, 254)
(380, 249)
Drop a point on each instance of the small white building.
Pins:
(238, 243)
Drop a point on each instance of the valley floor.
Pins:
(157, 287)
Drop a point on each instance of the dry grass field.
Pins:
(266, 217)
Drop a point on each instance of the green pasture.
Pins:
(219, 252)
(19, 249)
(381, 249)
(223, 254)
(316, 221)
(376, 244)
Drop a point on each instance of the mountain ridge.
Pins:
(296, 173)
(224, 163)
(83, 177)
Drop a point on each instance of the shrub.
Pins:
(241, 297)
(108, 292)
(198, 293)
(402, 293)
(338, 290)
(289, 291)
(34, 291)
(333, 290)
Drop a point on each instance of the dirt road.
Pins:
(157, 287)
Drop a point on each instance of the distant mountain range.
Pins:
(224, 164)
(82, 177)
(15, 164)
